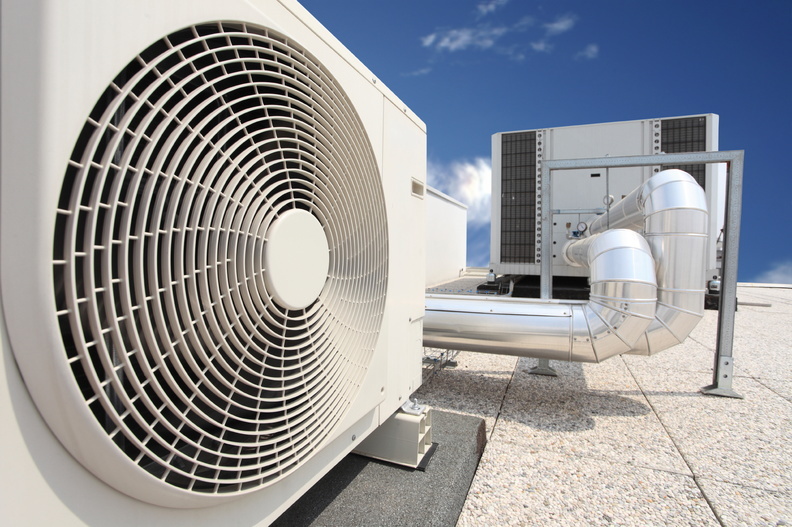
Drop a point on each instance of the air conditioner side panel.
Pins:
(404, 173)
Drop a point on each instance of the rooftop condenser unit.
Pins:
(517, 177)
(200, 298)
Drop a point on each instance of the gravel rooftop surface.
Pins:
(632, 441)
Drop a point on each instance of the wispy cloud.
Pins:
(779, 273)
(478, 245)
(428, 40)
(464, 38)
(467, 181)
(418, 73)
(503, 39)
(589, 52)
(480, 36)
(561, 25)
(542, 46)
(524, 22)
(488, 6)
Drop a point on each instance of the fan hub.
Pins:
(296, 259)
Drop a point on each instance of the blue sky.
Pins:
(471, 68)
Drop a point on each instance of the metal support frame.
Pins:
(724, 357)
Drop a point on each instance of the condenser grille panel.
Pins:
(183, 355)
(518, 197)
(687, 134)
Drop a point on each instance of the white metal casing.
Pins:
(586, 190)
(404, 439)
(446, 237)
(57, 59)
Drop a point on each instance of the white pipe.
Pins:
(621, 307)
(628, 310)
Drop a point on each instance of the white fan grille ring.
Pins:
(184, 358)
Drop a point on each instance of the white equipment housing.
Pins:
(580, 194)
(446, 237)
(158, 158)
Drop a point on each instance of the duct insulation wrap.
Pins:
(620, 308)
(671, 210)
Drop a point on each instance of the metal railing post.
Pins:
(724, 358)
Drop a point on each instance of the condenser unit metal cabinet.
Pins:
(211, 259)
(579, 195)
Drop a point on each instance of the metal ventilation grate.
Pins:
(518, 197)
(685, 134)
(183, 355)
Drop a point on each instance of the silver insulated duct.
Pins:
(646, 291)
(621, 307)
(671, 210)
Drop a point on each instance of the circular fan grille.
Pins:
(186, 360)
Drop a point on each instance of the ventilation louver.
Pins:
(686, 134)
(519, 203)
(202, 369)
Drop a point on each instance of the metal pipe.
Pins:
(671, 210)
(621, 307)
(647, 294)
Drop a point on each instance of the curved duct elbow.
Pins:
(623, 290)
(671, 209)
(620, 309)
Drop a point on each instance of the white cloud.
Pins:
(590, 52)
(487, 37)
(561, 25)
(542, 46)
(464, 38)
(467, 181)
(779, 273)
(418, 73)
(524, 22)
(428, 40)
(514, 53)
(488, 6)
(478, 245)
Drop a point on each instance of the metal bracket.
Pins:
(412, 407)
(543, 368)
(724, 373)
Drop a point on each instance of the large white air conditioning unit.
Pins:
(209, 210)
(517, 178)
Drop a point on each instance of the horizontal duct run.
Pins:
(647, 292)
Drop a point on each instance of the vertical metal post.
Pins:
(546, 265)
(724, 359)
(546, 224)
(608, 202)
